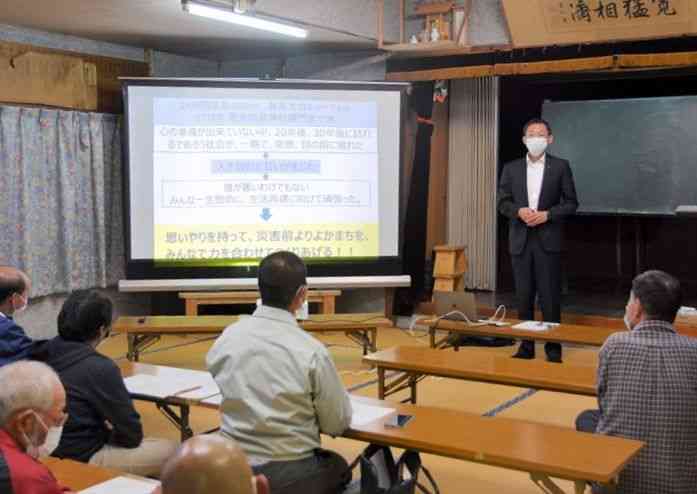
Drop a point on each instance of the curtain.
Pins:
(472, 176)
(415, 227)
(61, 216)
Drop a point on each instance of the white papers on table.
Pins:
(123, 485)
(209, 388)
(202, 381)
(535, 326)
(173, 382)
(364, 414)
(216, 400)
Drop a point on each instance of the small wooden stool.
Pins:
(449, 268)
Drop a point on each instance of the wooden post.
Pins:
(191, 307)
(381, 23)
(402, 9)
(381, 383)
(389, 301)
(328, 304)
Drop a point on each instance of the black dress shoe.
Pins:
(524, 354)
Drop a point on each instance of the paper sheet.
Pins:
(171, 381)
(123, 485)
(535, 326)
(364, 414)
(214, 400)
(156, 386)
(210, 388)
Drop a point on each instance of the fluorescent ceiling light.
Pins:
(221, 14)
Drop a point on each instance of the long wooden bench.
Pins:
(564, 333)
(684, 325)
(192, 300)
(544, 451)
(418, 362)
(142, 332)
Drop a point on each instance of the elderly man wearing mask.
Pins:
(32, 407)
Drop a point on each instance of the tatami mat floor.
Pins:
(453, 476)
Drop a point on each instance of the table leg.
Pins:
(191, 307)
(546, 485)
(362, 337)
(389, 302)
(328, 304)
(180, 421)
(381, 383)
(373, 339)
(412, 386)
(138, 343)
(132, 354)
(432, 336)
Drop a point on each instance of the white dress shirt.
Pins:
(279, 385)
(535, 173)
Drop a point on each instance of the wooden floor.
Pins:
(452, 476)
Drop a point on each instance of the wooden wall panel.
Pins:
(551, 22)
(108, 70)
(52, 80)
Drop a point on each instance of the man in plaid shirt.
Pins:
(647, 390)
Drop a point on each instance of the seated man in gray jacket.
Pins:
(280, 388)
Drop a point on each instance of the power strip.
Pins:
(491, 322)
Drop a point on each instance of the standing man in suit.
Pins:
(536, 194)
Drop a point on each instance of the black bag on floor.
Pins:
(380, 474)
(458, 340)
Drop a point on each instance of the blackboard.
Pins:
(628, 156)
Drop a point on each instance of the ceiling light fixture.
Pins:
(220, 13)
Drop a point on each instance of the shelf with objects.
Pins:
(430, 28)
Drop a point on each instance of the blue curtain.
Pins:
(60, 198)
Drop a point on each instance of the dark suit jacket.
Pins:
(558, 197)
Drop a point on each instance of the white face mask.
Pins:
(536, 145)
(53, 437)
(33, 439)
(627, 323)
(35, 447)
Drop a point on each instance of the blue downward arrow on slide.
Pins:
(265, 214)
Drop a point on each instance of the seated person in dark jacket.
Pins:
(103, 427)
(14, 296)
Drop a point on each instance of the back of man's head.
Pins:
(210, 464)
(280, 276)
(12, 281)
(659, 295)
(84, 315)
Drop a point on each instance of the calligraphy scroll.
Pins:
(558, 22)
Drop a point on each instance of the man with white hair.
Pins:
(32, 403)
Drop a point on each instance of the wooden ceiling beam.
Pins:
(657, 60)
(605, 63)
(438, 74)
(555, 66)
